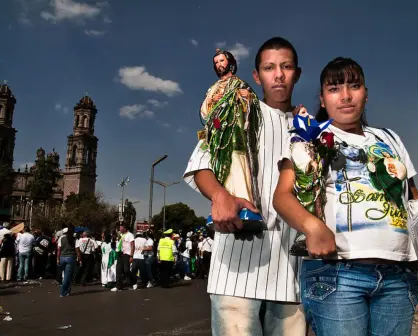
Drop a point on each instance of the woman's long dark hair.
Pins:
(339, 71)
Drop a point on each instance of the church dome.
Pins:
(86, 103)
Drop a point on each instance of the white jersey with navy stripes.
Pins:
(260, 267)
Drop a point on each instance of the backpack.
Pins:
(193, 251)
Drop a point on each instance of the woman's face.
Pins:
(344, 102)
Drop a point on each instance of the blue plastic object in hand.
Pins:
(253, 222)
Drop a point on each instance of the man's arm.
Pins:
(225, 207)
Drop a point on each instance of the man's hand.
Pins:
(225, 210)
(320, 240)
(131, 259)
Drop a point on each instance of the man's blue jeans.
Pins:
(67, 264)
(358, 299)
(24, 261)
(186, 263)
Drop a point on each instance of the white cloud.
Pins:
(181, 129)
(134, 111)
(94, 33)
(70, 10)
(61, 108)
(107, 19)
(23, 19)
(239, 50)
(137, 78)
(157, 104)
(194, 42)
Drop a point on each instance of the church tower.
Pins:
(7, 146)
(7, 132)
(80, 165)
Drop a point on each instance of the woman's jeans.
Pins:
(348, 298)
(67, 264)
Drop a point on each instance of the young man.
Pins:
(253, 281)
(125, 249)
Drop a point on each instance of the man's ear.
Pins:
(298, 73)
(256, 77)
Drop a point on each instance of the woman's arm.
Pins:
(413, 188)
(320, 240)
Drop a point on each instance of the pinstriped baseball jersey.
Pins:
(260, 266)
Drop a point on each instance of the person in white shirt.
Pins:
(138, 263)
(25, 243)
(360, 277)
(206, 255)
(85, 247)
(185, 254)
(149, 258)
(125, 248)
(253, 279)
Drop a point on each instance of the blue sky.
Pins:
(147, 66)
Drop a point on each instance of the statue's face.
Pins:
(221, 65)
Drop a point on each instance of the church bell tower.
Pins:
(80, 165)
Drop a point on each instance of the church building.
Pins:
(77, 176)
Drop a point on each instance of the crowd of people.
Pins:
(118, 259)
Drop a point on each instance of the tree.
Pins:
(178, 216)
(45, 175)
(129, 215)
(89, 210)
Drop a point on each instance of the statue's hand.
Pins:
(244, 93)
(217, 98)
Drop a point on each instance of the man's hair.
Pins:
(276, 43)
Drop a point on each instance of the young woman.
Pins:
(360, 277)
(66, 259)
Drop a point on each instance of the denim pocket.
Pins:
(412, 281)
(320, 280)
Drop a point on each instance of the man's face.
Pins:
(122, 229)
(221, 65)
(277, 74)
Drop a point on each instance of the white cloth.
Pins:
(4, 232)
(206, 245)
(260, 268)
(25, 242)
(108, 274)
(128, 238)
(189, 247)
(86, 245)
(139, 246)
(366, 225)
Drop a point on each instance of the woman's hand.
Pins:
(320, 240)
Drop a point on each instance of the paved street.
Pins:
(38, 310)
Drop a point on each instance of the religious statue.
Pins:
(310, 151)
(233, 120)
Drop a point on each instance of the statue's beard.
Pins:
(221, 71)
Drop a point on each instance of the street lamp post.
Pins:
(122, 185)
(165, 185)
(151, 185)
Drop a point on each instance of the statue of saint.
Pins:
(233, 121)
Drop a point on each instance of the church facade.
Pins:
(77, 176)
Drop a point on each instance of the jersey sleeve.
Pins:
(199, 160)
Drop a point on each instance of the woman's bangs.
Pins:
(337, 74)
